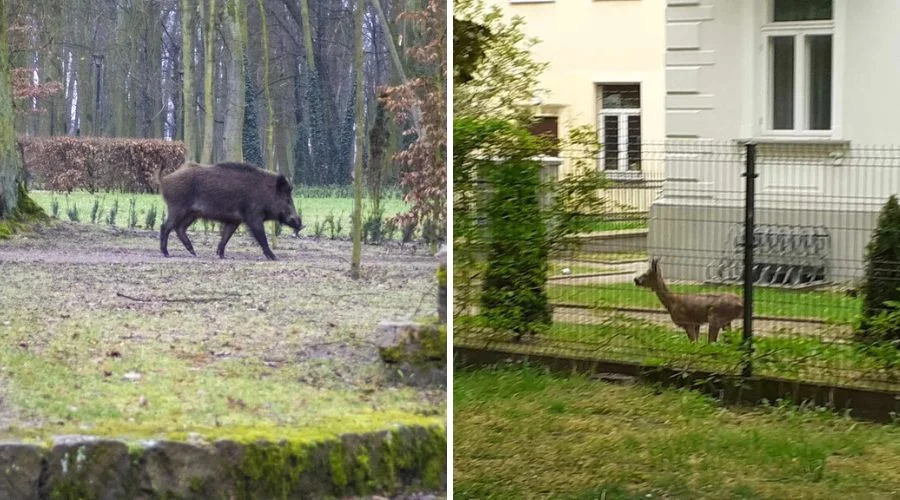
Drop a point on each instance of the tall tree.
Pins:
(360, 138)
(270, 115)
(251, 147)
(208, 69)
(235, 21)
(187, 80)
(11, 172)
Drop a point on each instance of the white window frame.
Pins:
(799, 30)
(622, 114)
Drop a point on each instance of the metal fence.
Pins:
(810, 211)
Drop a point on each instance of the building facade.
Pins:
(812, 84)
(606, 69)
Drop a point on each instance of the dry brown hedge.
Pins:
(64, 163)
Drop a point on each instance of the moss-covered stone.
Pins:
(386, 463)
(411, 342)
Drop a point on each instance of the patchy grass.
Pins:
(830, 306)
(599, 225)
(522, 433)
(623, 338)
(312, 209)
(606, 257)
(100, 334)
(556, 268)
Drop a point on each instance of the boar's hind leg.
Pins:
(228, 229)
(164, 231)
(259, 233)
(181, 231)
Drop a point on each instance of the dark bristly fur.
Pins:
(690, 310)
(230, 193)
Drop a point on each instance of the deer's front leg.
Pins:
(693, 331)
(713, 332)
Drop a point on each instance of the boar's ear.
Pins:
(654, 264)
(282, 185)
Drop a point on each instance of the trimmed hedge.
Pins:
(63, 163)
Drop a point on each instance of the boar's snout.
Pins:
(295, 223)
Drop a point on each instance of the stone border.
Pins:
(390, 462)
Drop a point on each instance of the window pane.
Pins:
(621, 96)
(782, 82)
(802, 10)
(819, 81)
(634, 142)
(611, 142)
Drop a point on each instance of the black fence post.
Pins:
(749, 227)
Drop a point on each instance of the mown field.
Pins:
(99, 334)
(522, 433)
(831, 306)
(327, 209)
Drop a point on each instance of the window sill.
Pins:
(796, 139)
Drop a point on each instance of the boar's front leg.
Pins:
(259, 233)
(181, 231)
(228, 229)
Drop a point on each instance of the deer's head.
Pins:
(651, 276)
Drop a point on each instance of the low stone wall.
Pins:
(391, 462)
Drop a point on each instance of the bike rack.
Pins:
(784, 256)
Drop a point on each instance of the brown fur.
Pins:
(689, 311)
(230, 193)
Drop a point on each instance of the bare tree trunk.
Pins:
(360, 138)
(270, 115)
(10, 161)
(208, 72)
(234, 70)
(187, 80)
(416, 112)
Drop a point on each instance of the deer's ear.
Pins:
(654, 263)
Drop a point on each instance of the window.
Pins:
(548, 127)
(798, 37)
(619, 125)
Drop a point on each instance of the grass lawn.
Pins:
(830, 306)
(607, 257)
(799, 357)
(101, 335)
(313, 209)
(576, 268)
(615, 225)
(522, 433)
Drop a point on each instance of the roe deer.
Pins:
(690, 310)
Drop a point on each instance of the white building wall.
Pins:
(714, 99)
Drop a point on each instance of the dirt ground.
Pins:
(101, 308)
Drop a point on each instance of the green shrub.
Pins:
(95, 210)
(318, 228)
(881, 283)
(73, 213)
(113, 213)
(150, 218)
(373, 227)
(132, 213)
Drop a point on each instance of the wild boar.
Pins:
(230, 193)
